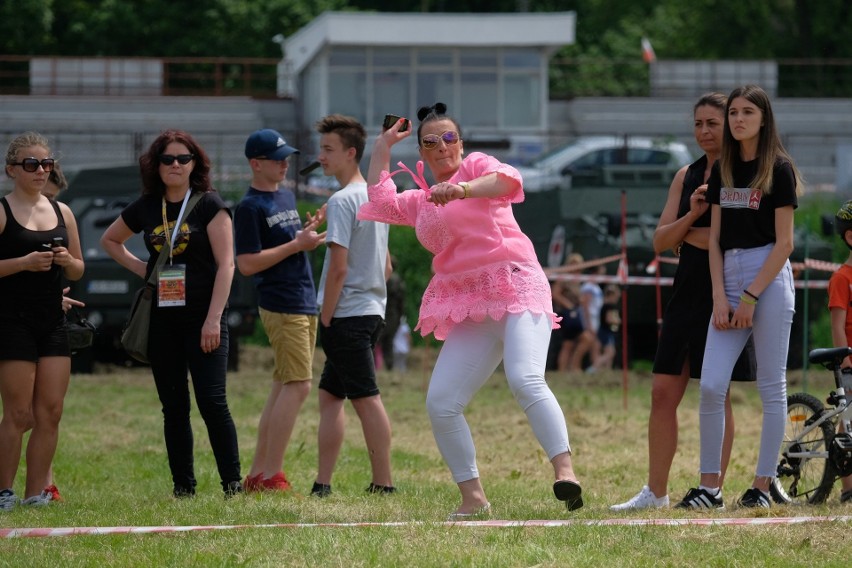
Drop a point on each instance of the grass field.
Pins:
(112, 471)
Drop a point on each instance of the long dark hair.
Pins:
(769, 146)
(437, 111)
(149, 163)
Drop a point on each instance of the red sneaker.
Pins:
(54, 493)
(277, 482)
(252, 484)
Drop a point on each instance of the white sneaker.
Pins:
(645, 499)
(8, 500)
(40, 500)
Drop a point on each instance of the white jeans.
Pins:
(773, 317)
(469, 356)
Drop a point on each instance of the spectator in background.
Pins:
(401, 345)
(56, 183)
(566, 302)
(394, 311)
(610, 324)
(272, 246)
(591, 302)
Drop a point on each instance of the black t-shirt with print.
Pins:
(192, 246)
(748, 214)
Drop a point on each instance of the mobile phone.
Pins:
(57, 242)
(390, 120)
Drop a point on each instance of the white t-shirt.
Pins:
(364, 292)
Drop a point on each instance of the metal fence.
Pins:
(258, 77)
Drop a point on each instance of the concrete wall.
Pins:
(114, 130)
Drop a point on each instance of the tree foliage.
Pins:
(699, 29)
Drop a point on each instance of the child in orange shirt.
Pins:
(839, 304)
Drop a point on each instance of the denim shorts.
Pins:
(350, 370)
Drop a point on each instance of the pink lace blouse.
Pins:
(484, 266)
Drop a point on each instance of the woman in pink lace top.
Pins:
(489, 298)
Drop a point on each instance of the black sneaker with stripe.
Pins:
(754, 498)
(697, 498)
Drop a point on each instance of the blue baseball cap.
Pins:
(269, 144)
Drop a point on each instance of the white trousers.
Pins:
(470, 355)
(773, 318)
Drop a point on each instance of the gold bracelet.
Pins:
(466, 187)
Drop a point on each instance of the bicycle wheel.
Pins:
(809, 478)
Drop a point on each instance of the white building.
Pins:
(490, 69)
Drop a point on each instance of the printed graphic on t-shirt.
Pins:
(740, 198)
(284, 219)
(158, 237)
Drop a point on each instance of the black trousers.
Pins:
(174, 352)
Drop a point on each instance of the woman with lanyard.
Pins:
(189, 331)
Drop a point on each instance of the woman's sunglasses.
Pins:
(182, 159)
(450, 137)
(31, 164)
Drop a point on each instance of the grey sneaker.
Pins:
(697, 498)
(40, 500)
(8, 500)
(645, 499)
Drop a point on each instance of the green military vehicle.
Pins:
(97, 196)
(576, 206)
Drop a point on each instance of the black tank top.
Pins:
(27, 287)
(694, 177)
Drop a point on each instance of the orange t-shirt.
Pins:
(840, 296)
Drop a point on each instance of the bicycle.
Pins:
(814, 454)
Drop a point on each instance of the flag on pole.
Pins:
(648, 54)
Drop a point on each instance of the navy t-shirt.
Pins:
(748, 214)
(191, 248)
(266, 219)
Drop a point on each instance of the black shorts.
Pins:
(25, 338)
(350, 370)
(571, 325)
(687, 319)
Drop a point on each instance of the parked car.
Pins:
(97, 197)
(594, 161)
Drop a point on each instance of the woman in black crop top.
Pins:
(39, 244)
(753, 193)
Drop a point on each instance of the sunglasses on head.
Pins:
(449, 137)
(31, 164)
(169, 159)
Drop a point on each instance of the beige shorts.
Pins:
(293, 338)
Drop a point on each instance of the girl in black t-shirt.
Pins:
(752, 192)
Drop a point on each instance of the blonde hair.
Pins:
(25, 140)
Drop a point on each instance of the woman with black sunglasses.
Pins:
(488, 299)
(39, 244)
(189, 330)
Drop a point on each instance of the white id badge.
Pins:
(171, 286)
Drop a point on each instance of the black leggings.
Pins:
(174, 350)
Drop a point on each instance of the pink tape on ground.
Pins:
(73, 531)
